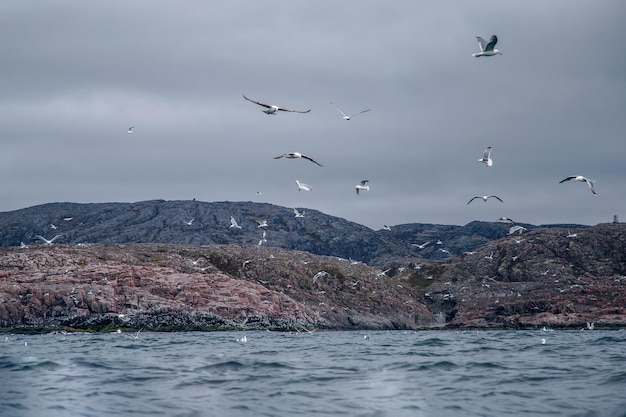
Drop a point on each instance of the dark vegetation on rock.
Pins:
(139, 265)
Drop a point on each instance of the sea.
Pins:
(338, 373)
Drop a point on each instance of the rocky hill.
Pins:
(148, 265)
(166, 222)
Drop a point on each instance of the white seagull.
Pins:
(348, 116)
(305, 187)
(233, 223)
(486, 159)
(362, 187)
(131, 130)
(46, 241)
(272, 109)
(505, 219)
(263, 240)
(517, 229)
(580, 178)
(485, 197)
(297, 155)
(487, 48)
(188, 223)
(262, 223)
(298, 213)
(422, 246)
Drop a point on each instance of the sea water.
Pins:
(356, 373)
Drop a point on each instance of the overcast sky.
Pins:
(75, 75)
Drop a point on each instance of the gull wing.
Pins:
(473, 198)
(311, 159)
(567, 179)
(481, 42)
(294, 111)
(487, 153)
(269, 106)
(363, 182)
(340, 111)
(590, 183)
(359, 112)
(492, 43)
(496, 197)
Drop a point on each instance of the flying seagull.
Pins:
(516, 229)
(233, 223)
(422, 246)
(505, 219)
(348, 116)
(272, 109)
(486, 48)
(188, 223)
(485, 197)
(580, 178)
(262, 223)
(131, 130)
(486, 159)
(362, 187)
(46, 241)
(305, 187)
(263, 240)
(298, 213)
(297, 155)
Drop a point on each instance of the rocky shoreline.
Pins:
(543, 278)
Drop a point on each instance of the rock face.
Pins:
(545, 277)
(175, 287)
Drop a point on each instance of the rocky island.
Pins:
(142, 266)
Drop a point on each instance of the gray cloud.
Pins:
(75, 76)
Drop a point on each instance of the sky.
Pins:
(76, 75)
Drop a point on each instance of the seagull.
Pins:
(319, 275)
(362, 187)
(136, 335)
(517, 229)
(297, 155)
(46, 241)
(53, 227)
(505, 219)
(385, 227)
(422, 246)
(272, 109)
(298, 213)
(580, 178)
(188, 223)
(262, 223)
(305, 187)
(263, 240)
(486, 159)
(486, 48)
(67, 219)
(23, 245)
(131, 130)
(570, 234)
(348, 116)
(485, 197)
(233, 223)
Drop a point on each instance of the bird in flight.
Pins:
(349, 116)
(422, 246)
(485, 198)
(362, 187)
(273, 109)
(580, 178)
(303, 187)
(233, 223)
(46, 241)
(297, 155)
(486, 159)
(487, 48)
(131, 130)
(298, 213)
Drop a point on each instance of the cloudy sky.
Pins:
(75, 75)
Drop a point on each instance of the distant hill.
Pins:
(160, 221)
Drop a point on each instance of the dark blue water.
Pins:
(431, 373)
